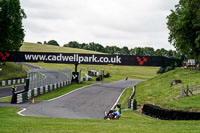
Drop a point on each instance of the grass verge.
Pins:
(33, 47)
(117, 72)
(124, 98)
(158, 91)
(11, 71)
(5, 99)
(129, 122)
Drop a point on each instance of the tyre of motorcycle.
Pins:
(117, 117)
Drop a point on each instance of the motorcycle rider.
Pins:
(117, 110)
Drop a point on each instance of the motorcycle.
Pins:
(111, 116)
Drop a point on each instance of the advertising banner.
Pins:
(76, 58)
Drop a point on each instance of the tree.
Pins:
(125, 51)
(96, 47)
(148, 51)
(138, 51)
(161, 52)
(73, 44)
(11, 29)
(39, 42)
(184, 26)
(53, 42)
(112, 50)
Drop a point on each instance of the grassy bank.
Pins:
(33, 47)
(116, 72)
(158, 91)
(11, 71)
(155, 90)
(129, 122)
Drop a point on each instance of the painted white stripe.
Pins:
(22, 80)
(9, 82)
(3, 83)
(55, 86)
(14, 82)
(5, 97)
(58, 85)
(72, 92)
(51, 87)
(29, 94)
(18, 81)
(41, 90)
(20, 112)
(35, 91)
(46, 88)
(118, 99)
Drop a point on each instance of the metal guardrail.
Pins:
(42, 77)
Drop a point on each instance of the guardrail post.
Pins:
(182, 91)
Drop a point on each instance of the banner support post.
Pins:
(76, 67)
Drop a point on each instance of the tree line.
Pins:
(138, 51)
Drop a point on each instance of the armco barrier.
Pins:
(166, 114)
(22, 97)
(12, 82)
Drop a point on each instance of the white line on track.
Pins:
(118, 99)
(5, 97)
(71, 92)
(20, 112)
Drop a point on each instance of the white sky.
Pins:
(131, 23)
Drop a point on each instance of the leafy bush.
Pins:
(165, 69)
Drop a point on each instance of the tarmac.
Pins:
(85, 103)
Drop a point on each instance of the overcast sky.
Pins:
(131, 23)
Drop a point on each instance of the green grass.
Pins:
(62, 91)
(5, 99)
(155, 90)
(130, 121)
(158, 91)
(190, 103)
(125, 96)
(55, 93)
(33, 47)
(116, 72)
(11, 71)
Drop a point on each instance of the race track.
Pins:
(87, 103)
(50, 77)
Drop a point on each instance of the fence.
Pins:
(42, 81)
(12, 82)
(43, 77)
(189, 90)
(22, 97)
(132, 103)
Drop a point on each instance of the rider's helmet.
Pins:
(119, 105)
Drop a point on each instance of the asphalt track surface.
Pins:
(50, 77)
(87, 103)
(7, 91)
